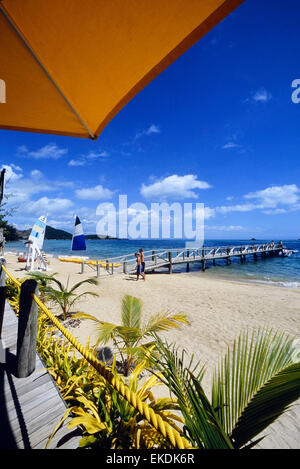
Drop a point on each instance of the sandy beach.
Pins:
(218, 309)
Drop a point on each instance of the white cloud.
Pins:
(76, 163)
(262, 96)
(12, 172)
(44, 205)
(152, 129)
(36, 174)
(231, 145)
(273, 200)
(94, 193)
(225, 228)
(273, 196)
(50, 151)
(92, 155)
(174, 187)
(96, 154)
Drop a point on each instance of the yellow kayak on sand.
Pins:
(79, 261)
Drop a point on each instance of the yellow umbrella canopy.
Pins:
(69, 66)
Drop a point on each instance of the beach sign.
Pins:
(78, 240)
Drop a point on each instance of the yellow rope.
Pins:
(154, 419)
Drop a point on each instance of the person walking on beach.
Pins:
(139, 268)
(142, 261)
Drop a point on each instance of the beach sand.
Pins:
(218, 310)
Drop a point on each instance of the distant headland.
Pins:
(54, 233)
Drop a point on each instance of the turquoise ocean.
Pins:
(282, 271)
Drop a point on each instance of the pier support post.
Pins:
(255, 256)
(2, 305)
(228, 257)
(188, 264)
(203, 265)
(214, 260)
(27, 329)
(170, 263)
(153, 255)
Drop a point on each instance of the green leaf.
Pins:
(131, 312)
(246, 383)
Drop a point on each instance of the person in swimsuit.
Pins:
(142, 261)
(139, 268)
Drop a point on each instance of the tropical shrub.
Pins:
(108, 421)
(13, 294)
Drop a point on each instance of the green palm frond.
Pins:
(255, 383)
(183, 379)
(131, 311)
(91, 281)
(164, 322)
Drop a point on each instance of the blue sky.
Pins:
(217, 127)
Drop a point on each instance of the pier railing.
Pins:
(29, 303)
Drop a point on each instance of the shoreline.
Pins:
(285, 283)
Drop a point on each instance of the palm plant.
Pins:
(43, 281)
(129, 338)
(66, 297)
(253, 385)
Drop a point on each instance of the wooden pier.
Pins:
(30, 403)
(156, 260)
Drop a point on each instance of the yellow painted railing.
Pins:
(154, 419)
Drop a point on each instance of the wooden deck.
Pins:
(30, 408)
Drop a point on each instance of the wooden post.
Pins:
(214, 260)
(188, 264)
(98, 269)
(82, 266)
(27, 329)
(228, 257)
(125, 266)
(2, 292)
(153, 252)
(170, 263)
(107, 265)
(203, 260)
(112, 268)
(2, 305)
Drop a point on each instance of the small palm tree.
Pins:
(63, 296)
(129, 338)
(254, 384)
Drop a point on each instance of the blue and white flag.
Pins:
(37, 234)
(78, 240)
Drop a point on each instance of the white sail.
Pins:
(35, 243)
(37, 234)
